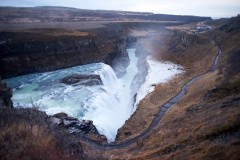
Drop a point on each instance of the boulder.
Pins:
(73, 125)
(81, 127)
(81, 79)
(55, 120)
(60, 115)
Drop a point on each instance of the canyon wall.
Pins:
(186, 49)
(5, 96)
(43, 50)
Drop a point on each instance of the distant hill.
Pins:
(65, 14)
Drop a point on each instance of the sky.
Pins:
(213, 8)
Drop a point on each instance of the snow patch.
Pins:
(158, 72)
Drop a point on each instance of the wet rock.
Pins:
(103, 138)
(73, 125)
(70, 122)
(81, 79)
(120, 62)
(5, 96)
(84, 127)
(55, 120)
(61, 121)
(60, 115)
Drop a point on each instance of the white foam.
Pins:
(109, 106)
(158, 72)
(112, 106)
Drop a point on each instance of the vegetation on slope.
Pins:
(26, 134)
(205, 123)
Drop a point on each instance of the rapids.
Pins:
(108, 105)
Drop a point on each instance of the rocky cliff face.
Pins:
(231, 24)
(29, 51)
(138, 80)
(5, 96)
(182, 40)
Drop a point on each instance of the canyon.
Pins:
(202, 124)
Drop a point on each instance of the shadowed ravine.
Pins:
(158, 117)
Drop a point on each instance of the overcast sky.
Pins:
(214, 8)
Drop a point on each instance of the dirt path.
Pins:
(158, 117)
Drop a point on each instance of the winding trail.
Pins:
(158, 117)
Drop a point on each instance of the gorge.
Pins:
(108, 103)
(82, 84)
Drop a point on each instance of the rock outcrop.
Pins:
(29, 133)
(80, 79)
(75, 126)
(182, 40)
(5, 96)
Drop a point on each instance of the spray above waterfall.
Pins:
(113, 105)
(108, 105)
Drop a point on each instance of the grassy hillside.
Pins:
(205, 123)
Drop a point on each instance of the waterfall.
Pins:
(111, 106)
(108, 77)
(108, 105)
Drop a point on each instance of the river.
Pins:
(108, 104)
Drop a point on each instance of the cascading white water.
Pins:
(108, 76)
(108, 105)
(113, 105)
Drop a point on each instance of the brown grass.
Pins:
(201, 125)
(28, 134)
(193, 129)
(195, 59)
(139, 33)
(23, 141)
(55, 32)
